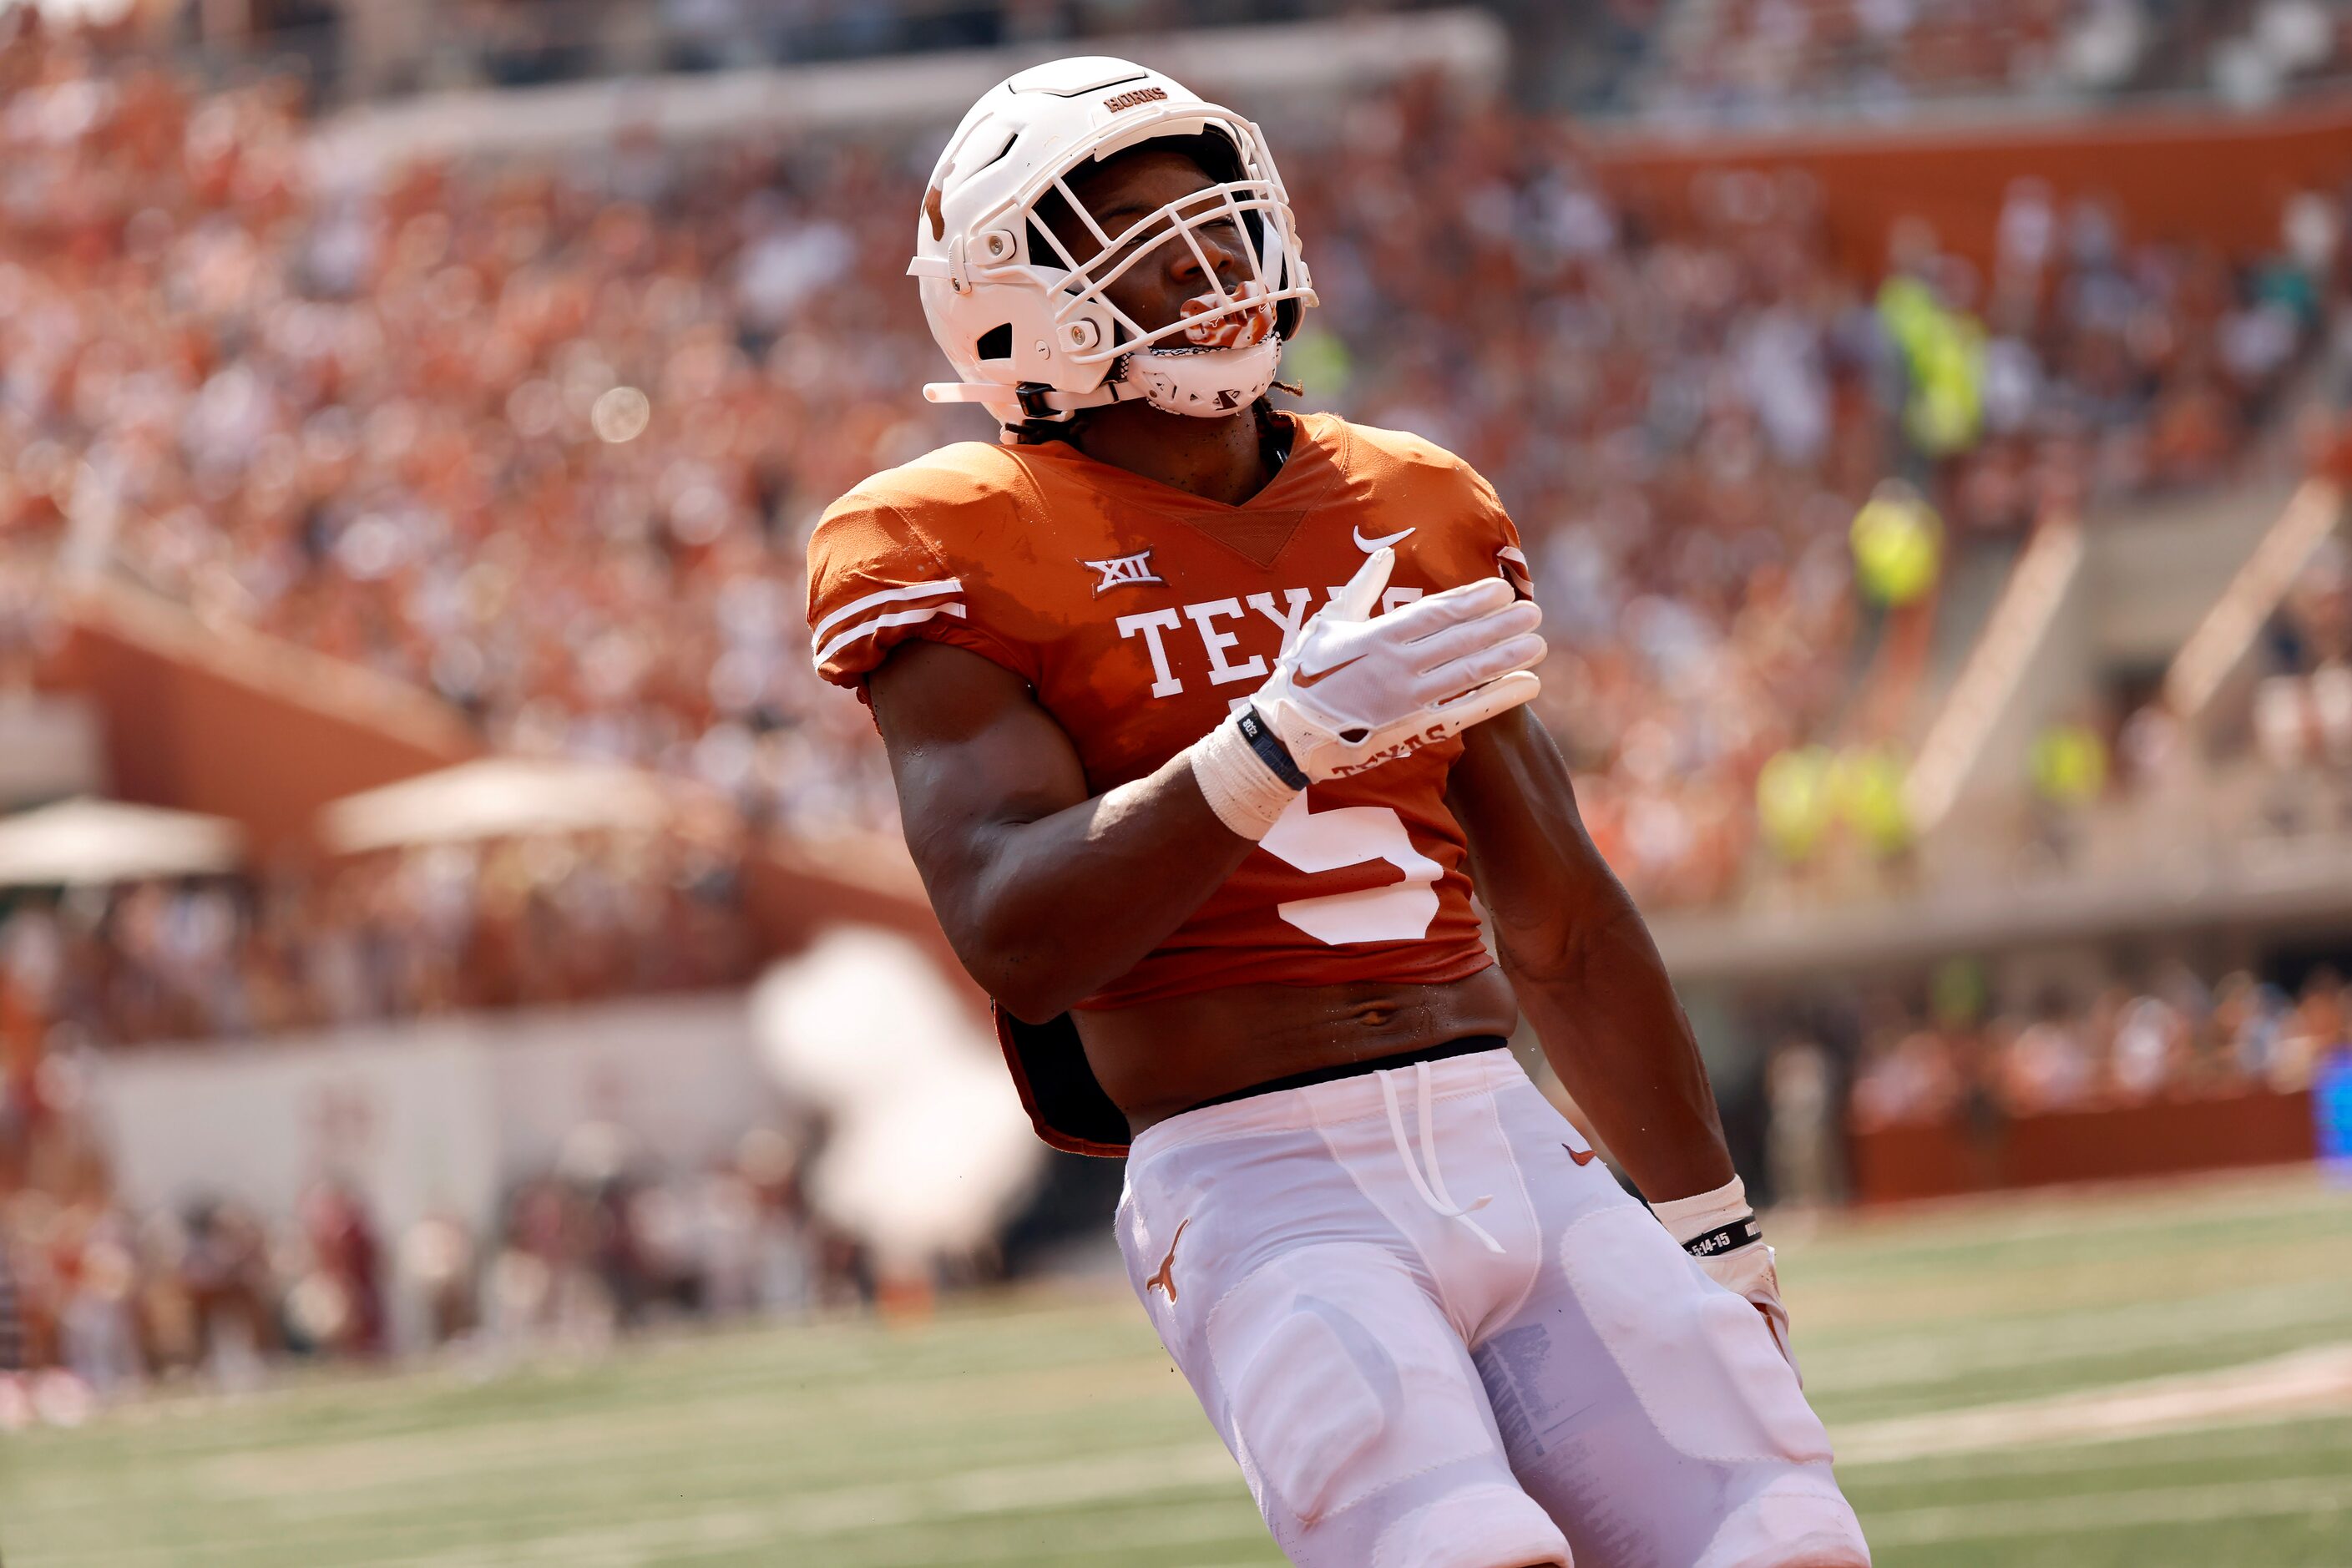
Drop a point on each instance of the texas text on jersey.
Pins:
(1140, 613)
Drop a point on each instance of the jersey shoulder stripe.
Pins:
(930, 590)
(881, 624)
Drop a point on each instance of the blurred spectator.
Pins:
(1800, 1090)
(2320, 1025)
(2303, 708)
(2153, 752)
(2047, 1066)
(2151, 1048)
(338, 1303)
(231, 1292)
(438, 1263)
(1915, 1078)
(97, 1338)
(12, 1322)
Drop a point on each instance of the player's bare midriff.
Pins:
(1167, 1057)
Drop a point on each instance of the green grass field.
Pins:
(2148, 1379)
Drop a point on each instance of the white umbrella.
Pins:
(496, 797)
(83, 843)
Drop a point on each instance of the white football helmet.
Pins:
(1026, 324)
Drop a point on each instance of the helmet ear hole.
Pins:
(995, 343)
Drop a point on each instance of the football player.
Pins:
(1206, 720)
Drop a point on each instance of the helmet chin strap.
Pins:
(1031, 399)
(1200, 384)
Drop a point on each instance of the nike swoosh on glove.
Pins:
(1359, 690)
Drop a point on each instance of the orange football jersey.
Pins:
(1139, 614)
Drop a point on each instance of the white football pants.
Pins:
(1436, 1334)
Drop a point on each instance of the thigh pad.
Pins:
(1342, 1378)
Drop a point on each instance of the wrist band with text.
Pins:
(1270, 750)
(1725, 1238)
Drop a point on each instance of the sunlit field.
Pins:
(2139, 1379)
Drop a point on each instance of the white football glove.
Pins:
(1719, 1231)
(1749, 1271)
(1359, 690)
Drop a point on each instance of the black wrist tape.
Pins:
(1725, 1238)
(1270, 750)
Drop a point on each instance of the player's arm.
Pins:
(1046, 893)
(1587, 973)
(1590, 978)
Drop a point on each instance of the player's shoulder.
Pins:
(1372, 445)
(1398, 470)
(941, 495)
(1399, 467)
(1403, 479)
(913, 553)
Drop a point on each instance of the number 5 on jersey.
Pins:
(1316, 841)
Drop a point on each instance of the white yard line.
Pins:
(1128, 1476)
(2111, 1511)
(2305, 1443)
(1948, 1356)
(1017, 1488)
(971, 1494)
(2307, 1381)
(333, 1476)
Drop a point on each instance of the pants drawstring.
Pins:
(1432, 1186)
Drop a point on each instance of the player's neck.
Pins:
(1216, 459)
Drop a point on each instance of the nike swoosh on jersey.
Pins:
(1369, 545)
(1581, 1156)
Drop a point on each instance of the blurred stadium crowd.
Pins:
(547, 438)
(1727, 62)
(394, 935)
(109, 1301)
(1949, 1056)
(1734, 61)
(2177, 1037)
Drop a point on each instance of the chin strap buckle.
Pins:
(1034, 397)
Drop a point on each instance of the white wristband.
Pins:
(1687, 1218)
(1241, 789)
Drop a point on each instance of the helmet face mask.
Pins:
(1017, 274)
